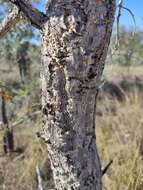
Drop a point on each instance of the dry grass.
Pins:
(113, 71)
(119, 137)
(11, 75)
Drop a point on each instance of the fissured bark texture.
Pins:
(75, 41)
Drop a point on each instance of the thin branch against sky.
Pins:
(136, 7)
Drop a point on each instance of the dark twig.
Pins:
(133, 17)
(104, 171)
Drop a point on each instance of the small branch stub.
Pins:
(106, 167)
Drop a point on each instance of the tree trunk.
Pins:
(8, 140)
(3, 116)
(75, 41)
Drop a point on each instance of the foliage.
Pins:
(130, 50)
(119, 137)
(13, 40)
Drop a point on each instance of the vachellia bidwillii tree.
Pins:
(75, 36)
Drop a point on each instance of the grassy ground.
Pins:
(119, 137)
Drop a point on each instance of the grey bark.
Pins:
(75, 40)
(12, 19)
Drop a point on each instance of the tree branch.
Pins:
(12, 19)
(120, 7)
(118, 20)
(132, 15)
(36, 17)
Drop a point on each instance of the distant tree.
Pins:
(75, 39)
(23, 61)
(8, 140)
(130, 50)
(7, 52)
(11, 43)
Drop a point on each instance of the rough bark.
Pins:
(36, 17)
(33, 15)
(75, 40)
(12, 19)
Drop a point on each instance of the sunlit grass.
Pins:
(119, 137)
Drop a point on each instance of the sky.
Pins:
(136, 6)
